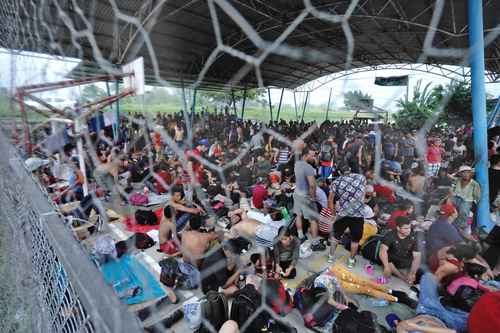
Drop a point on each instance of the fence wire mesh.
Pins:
(76, 29)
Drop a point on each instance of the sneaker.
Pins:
(331, 259)
(351, 262)
(318, 247)
(303, 239)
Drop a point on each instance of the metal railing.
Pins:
(71, 294)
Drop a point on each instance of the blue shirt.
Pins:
(442, 234)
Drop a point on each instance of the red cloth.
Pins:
(391, 224)
(484, 315)
(385, 192)
(259, 194)
(132, 225)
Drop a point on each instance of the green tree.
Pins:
(356, 99)
(92, 92)
(225, 97)
(413, 113)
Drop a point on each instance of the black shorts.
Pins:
(355, 225)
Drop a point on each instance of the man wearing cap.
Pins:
(470, 191)
(443, 234)
(349, 190)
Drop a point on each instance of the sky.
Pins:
(31, 68)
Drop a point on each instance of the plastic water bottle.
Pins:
(378, 303)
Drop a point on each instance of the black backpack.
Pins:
(313, 305)
(352, 321)
(214, 311)
(245, 304)
(146, 217)
(169, 272)
(143, 241)
(371, 248)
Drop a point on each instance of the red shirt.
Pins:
(166, 177)
(434, 155)
(391, 224)
(197, 167)
(259, 194)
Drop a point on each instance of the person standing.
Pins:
(349, 190)
(304, 197)
(469, 191)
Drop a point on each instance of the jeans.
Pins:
(429, 303)
(181, 222)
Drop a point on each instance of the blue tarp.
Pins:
(127, 273)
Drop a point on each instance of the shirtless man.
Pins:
(265, 234)
(194, 244)
(179, 134)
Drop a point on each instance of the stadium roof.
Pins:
(183, 36)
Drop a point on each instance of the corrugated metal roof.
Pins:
(183, 37)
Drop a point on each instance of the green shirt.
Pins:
(470, 192)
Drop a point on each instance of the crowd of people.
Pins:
(283, 190)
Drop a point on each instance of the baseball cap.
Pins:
(447, 209)
(204, 142)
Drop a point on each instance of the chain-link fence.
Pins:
(59, 289)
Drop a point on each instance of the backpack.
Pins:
(314, 307)
(143, 241)
(277, 297)
(370, 250)
(138, 199)
(214, 310)
(178, 274)
(146, 217)
(352, 321)
(169, 272)
(245, 304)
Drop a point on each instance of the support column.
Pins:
(234, 103)
(328, 105)
(480, 138)
(81, 160)
(305, 106)
(244, 100)
(24, 116)
(193, 107)
(295, 105)
(116, 127)
(279, 106)
(270, 105)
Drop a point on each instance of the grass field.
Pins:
(313, 113)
